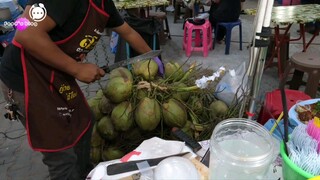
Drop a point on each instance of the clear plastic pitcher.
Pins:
(240, 149)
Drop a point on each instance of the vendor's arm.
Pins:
(133, 38)
(37, 42)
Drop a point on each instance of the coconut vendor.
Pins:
(39, 72)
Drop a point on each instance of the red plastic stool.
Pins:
(202, 43)
(272, 106)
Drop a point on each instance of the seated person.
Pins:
(223, 11)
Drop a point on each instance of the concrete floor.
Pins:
(18, 161)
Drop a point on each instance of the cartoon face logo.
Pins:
(37, 12)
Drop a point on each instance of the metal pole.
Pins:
(261, 42)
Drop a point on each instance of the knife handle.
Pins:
(105, 68)
(118, 168)
(190, 142)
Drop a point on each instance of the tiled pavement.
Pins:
(18, 161)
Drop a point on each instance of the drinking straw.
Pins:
(285, 112)
(277, 122)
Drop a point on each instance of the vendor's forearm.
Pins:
(133, 38)
(38, 43)
(47, 52)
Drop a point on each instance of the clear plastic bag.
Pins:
(232, 86)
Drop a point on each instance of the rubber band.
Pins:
(145, 170)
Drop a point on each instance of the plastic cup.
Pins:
(240, 149)
(290, 170)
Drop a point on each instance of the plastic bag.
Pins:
(232, 85)
(114, 42)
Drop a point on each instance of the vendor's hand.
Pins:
(88, 73)
(160, 66)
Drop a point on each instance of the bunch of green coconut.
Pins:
(136, 104)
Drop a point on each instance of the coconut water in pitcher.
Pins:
(240, 149)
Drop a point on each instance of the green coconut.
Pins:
(136, 68)
(196, 105)
(94, 106)
(118, 89)
(218, 108)
(121, 116)
(173, 71)
(96, 139)
(183, 96)
(105, 105)
(95, 154)
(148, 69)
(188, 128)
(106, 128)
(121, 72)
(147, 114)
(112, 153)
(142, 93)
(132, 135)
(174, 113)
(99, 93)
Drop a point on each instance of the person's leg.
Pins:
(82, 149)
(62, 164)
(70, 164)
(221, 30)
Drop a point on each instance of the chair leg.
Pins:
(167, 28)
(286, 73)
(240, 35)
(228, 40)
(215, 36)
(312, 84)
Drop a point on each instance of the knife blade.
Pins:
(190, 142)
(148, 55)
(119, 168)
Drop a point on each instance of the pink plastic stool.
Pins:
(287, 2)
(200, 45)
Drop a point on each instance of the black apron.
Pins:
(57, 113)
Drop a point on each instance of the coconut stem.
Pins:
(187, 74)
(186, 89)
(147, 85)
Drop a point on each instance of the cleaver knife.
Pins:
(190, 142)
(124, 167)
(148, 55)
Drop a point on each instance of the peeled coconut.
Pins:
(121, 72)
(106, 128)
(174, 113)
(147, 114)
(218, 108)
(112, 153)
(118, 89)
(121, 116)
(148, 69)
